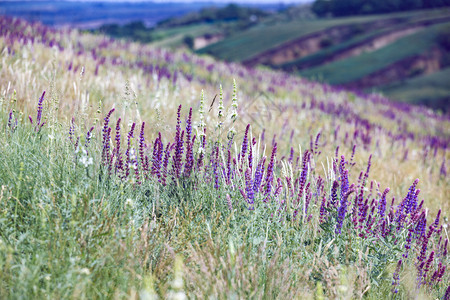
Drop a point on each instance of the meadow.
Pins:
(133, 172)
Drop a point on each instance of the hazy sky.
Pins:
(223, 1)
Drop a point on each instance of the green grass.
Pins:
(173, 37)
(70, 231)
(270, 34)
(431, 90)
(357, 67)
(319, 57)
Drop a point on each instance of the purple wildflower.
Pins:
(316, 145)
(436, 222)
(88, 137)
(177, 158)
(303, 175)
(382, 204)
(428, 264)
(396, 277)
(105, 151)
(189, 146)
(259, 175)
(408, 244)
(323, 210)
(333, 198)
(215, 162)
(269, 175)
(39, 113)
(245, 143)
(447, 294)
(352, 163)
(249, 188)
(71, 129)
(141, 148)
(165, 164)
(343, 210)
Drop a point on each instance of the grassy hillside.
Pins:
(130, 171)
(270, 34)
(357, 67)
(367, 46)
(418, 90)
(267, 35)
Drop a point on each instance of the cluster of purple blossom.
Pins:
(347, 208)
(366, 214)
(165, 65)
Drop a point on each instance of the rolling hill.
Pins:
(134, 172)
(364, 52)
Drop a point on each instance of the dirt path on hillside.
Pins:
(312, 43)
(427, 63)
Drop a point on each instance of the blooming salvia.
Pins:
(177, 158)
(396, 277)
(189, 146)
(249, 188)
(39, 113)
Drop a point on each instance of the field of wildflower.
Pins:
(131, 172)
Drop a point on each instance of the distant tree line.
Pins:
(231, 12)
(364, 7)
(135, 30)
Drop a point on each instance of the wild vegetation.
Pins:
(128, 172)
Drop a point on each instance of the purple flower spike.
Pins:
(105, 135)
(382, 204)
(245, 143)
(177, 158)
(303, 175)
(396, 277)
(39, 112)
(436, 222)
(447, 294)
(269, 175)
(343, 210)
(119, 163)
(189, 146)
(165, 164)
(249, 187)
(428, 264)
(323, 210)
(141, 148)
(334, 198)
(72, 129)
(316, 145)
(88, 138)
(259, 175)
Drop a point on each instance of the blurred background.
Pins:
(400, 48)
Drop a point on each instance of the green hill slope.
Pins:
(363, 52)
